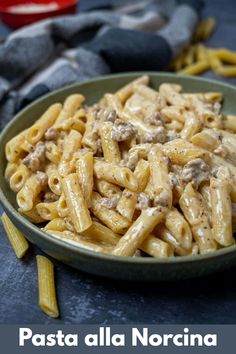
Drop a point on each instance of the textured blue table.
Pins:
(87, 299)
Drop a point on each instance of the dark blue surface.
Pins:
(87, 299)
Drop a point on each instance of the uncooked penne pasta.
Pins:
(17, 239)
(46, 287)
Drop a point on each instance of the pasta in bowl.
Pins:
(144, 172)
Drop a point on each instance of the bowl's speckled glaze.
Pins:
(130, 268)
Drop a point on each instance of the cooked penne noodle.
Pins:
(19, 178)
(221, 212)
(71, 105)
(48, 211)
(13, 149)
(107, 189)
(122, 176)
(76, 203)
(138, 232)
(11, 168)
(162, 188)
(116, 222)
(229, 122)
(125, 92)
(191, 127)
(62, 207)
(59, 224)
(181, 153)
(71, 144)
(128, 200)
(84, 169)
(46, 287)
(36, 132)
(54, 179)
(26, 197)
(179, 228)
(77, 240)
(17, 239)
(191, 204)
(53, 153)
(110, 147)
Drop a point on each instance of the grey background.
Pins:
(92, 300)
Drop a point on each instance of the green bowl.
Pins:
(129, 268)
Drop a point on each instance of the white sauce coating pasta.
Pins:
(141, 172)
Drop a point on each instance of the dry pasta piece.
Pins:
(17, 239)
(46, 287)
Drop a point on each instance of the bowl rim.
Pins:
(96, 255)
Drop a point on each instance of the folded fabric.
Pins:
(115, 36)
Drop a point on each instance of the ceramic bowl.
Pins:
(129, 268)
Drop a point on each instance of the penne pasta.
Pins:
(46, 287)
(138, 232)
(76, 203)
(17, 239)
(142, 172)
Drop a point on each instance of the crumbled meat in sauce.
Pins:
(42, 178)
(122, 131)
(157, 136)
(50, 197)
(110, 203)
(221, 150)
(127, 193)
(35, 160)
(171, 135)
(162, 199)
(196, 171)
(154, 119)
(51, 134)
(144, 201)
(131, 161)
(137, 253)
(173, 180)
